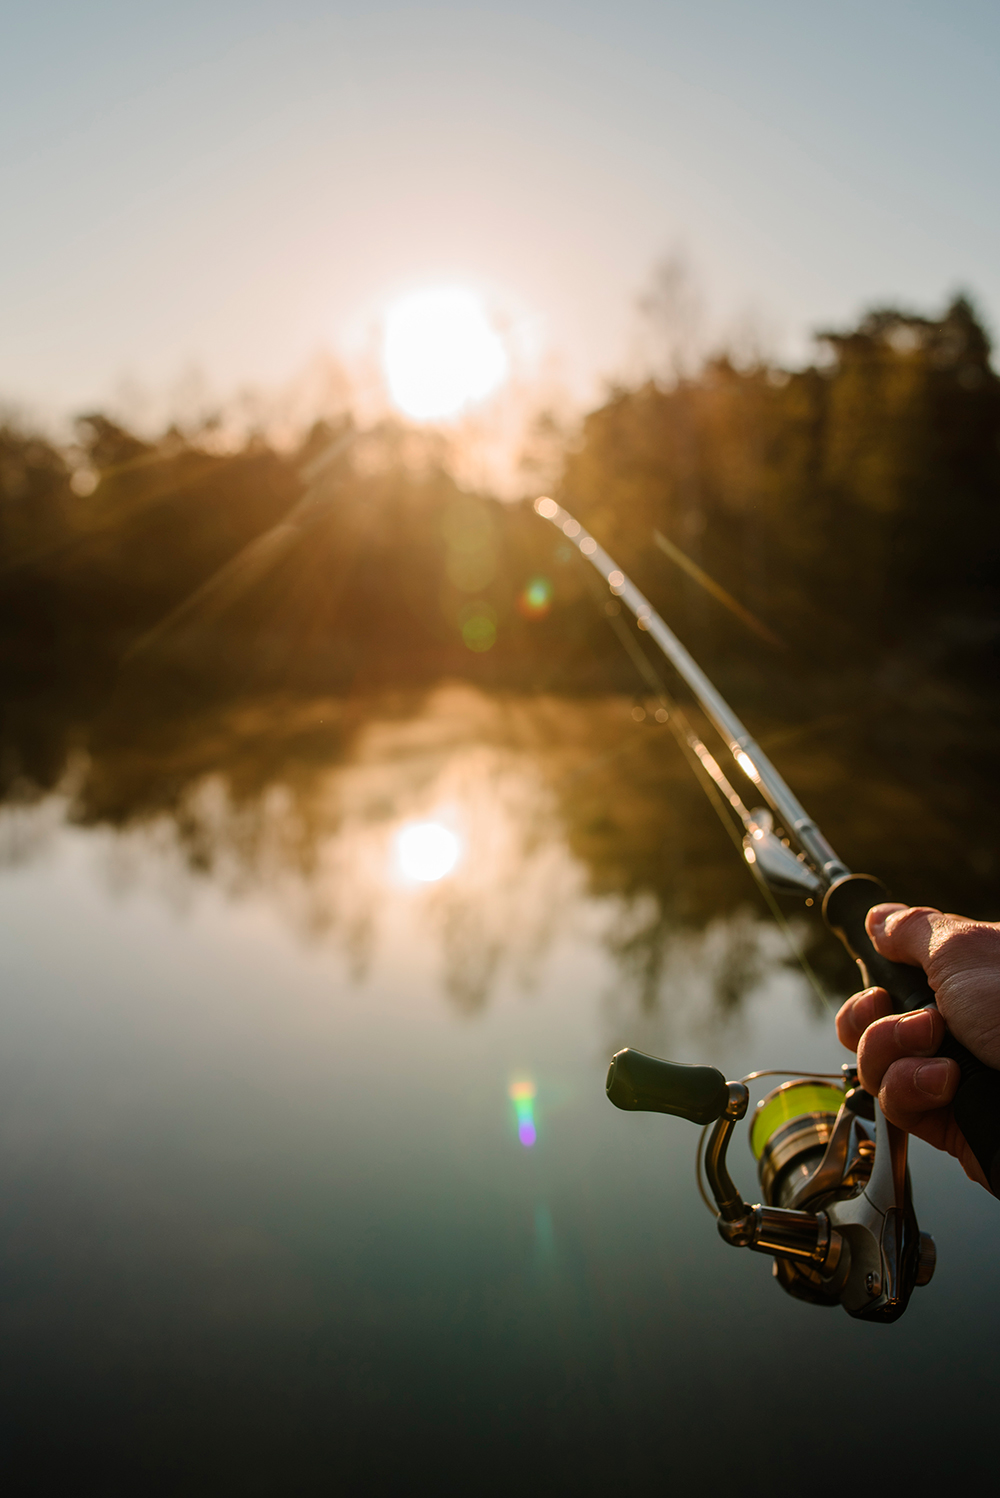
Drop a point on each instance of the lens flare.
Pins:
(427, 851)
(535, 599)
(522, 1095)
(478, 623)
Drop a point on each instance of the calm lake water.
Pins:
(266, 1222)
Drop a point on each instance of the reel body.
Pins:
(836, 1214)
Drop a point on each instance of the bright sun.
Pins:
(441, 353)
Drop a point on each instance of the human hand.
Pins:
(896, 1058)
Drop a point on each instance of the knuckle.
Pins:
(897, 1086)
(963, 944)
(910, 915)
(877, 1049)
(881, 1032)
(871, 1057)
(894, 1102)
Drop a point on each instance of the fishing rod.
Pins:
(836, 1215)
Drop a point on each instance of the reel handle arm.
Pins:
(977, 1101)
(733, 1210)
(787, 1234)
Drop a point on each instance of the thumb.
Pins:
(904, 933)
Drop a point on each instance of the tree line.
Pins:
(851, 506)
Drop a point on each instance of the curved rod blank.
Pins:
(745, 750)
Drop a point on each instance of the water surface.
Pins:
(266, 1223)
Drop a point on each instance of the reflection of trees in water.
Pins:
(703, 977)
(300, 797)
(246, 798)
(648, 944)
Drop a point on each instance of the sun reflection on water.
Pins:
(427, 851)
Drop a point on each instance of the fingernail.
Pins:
(933, 1077)
(861, 1002)
(916, 1030)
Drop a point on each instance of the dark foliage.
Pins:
(853, 506)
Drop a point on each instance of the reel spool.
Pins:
(789, 1132)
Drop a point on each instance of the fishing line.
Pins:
(711, 777)
(718, 592)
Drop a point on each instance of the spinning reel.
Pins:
(837, 1215)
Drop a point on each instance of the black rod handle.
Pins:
(977, 1101)
(645, 1084)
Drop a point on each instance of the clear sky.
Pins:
(236, 184)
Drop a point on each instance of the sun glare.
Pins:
(440, 353)
(426, 851)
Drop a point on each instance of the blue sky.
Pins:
(236, 186)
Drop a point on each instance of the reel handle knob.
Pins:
(645, 1084)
